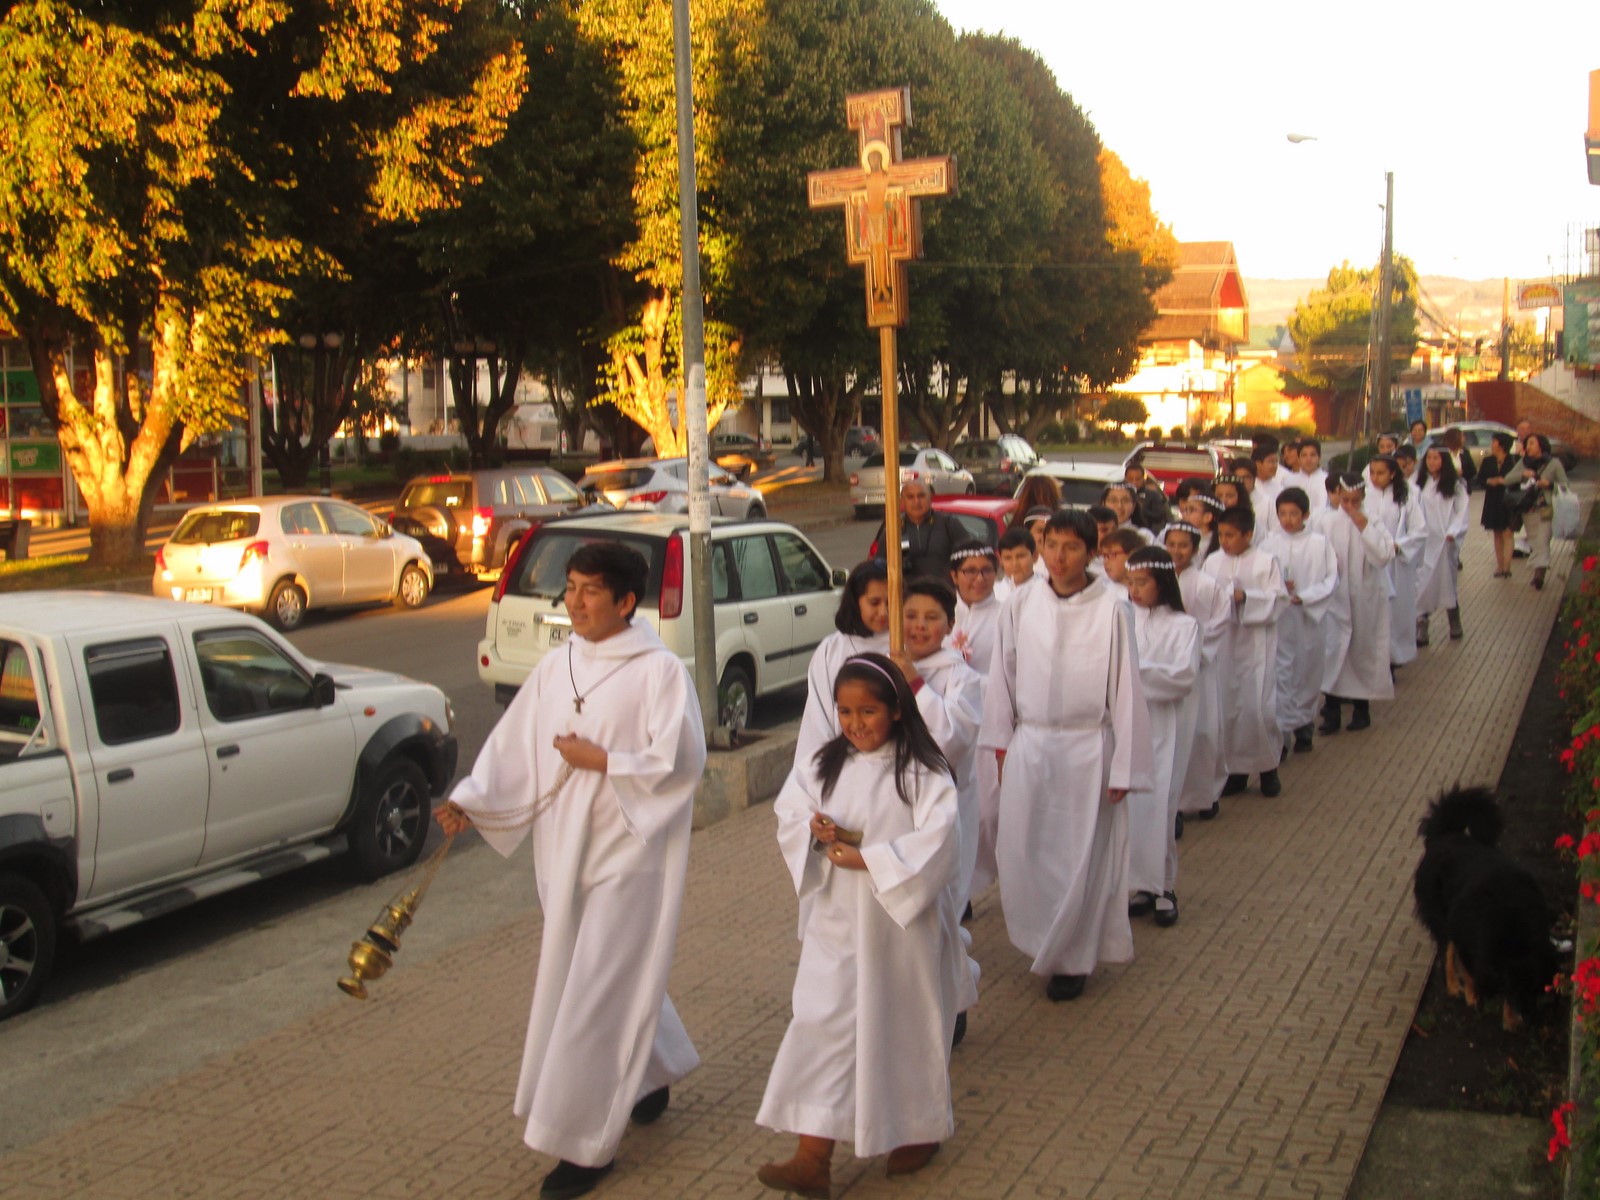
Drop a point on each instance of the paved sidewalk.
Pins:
(1244, 1053)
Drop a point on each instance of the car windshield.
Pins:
(542, 571)
(908, 458)
(618, 479)
(229, 525)
(1081, 492)
(438, 493)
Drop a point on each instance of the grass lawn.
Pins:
(67, 571)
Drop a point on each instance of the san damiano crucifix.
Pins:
(883, 232)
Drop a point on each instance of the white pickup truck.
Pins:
(154, 753)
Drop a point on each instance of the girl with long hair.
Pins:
(1037, 491)
(868, 829)
(1442, 497)
(1392, 503)
(1122, 499)
(860, 625)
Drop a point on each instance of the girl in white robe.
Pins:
(1123, 499)
(1392, 502)
(1357, 667)
(1064, 709)
(1201, 510)
(1250, 576)
(1442, 497)
(869, 831)
(862, 625)
(977, 612)
(1311, 579)
(1205, 600)
(1169, 663)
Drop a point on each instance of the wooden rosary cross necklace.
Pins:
(579, 697)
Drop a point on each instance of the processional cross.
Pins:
(883, 232)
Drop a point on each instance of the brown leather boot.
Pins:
(905, 1159)
(808, 1173)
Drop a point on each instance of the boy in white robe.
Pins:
(1207, 602)
(1169, 663)
(1310, 475)
(1251, 742)
(1392, 502)
(1311, 578)
(1017, 557)
(1270, 481)
(1357, 664)
(1065, 716)
(973, 567)
(611, 784)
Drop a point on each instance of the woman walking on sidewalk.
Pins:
(1498, 517)
(1532, 481)
(1442, 497)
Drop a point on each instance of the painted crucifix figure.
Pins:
(883, 229)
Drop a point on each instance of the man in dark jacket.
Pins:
(926, 536)
(1154, 511)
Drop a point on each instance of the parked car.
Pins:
(774, 596)
(282, 555)
(156, 753)
(1081, 484)
(469, 521)
(662, 485)
(1170, 463)
(997, 464)
(1476, 436)
(742, 454)
(983, 518)
(861, 440)
(933, 467)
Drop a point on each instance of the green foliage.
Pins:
(1122, 410)
(1332, 327)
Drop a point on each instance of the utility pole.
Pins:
(693, 396)
(1505, 329)
(1380, 393)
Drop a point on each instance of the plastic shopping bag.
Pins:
(1564, 513)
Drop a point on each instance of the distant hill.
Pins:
(1473, 302)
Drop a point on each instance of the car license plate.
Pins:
(558, 634)
(872, 498)
(197, 595)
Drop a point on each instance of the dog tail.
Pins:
(1472, 811)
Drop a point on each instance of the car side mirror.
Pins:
(839, 577)
(321, 690)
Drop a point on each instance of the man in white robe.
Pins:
(1356, 667)
(1065, 716)
(615, 780)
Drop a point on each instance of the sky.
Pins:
(1480, 115)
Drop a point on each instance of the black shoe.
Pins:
(1332, 720)
(1270, 784)
(649, 1109)
(961, 1030)
(569, 1180)
(1065, 987)
(1361, 718)
(1168, 916)
(1235, 785)
(967, 915)
(1210, 814)
(1453, 615)
(1302, 739)
(1142, 904)
(1177, 828)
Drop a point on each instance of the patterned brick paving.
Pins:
(1244, 1053)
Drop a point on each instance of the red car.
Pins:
(984, 518)
(1169, 464)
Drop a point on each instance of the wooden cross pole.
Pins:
(883, 232)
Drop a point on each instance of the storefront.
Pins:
(33, 478)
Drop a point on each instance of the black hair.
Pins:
(1544, 444)
(1079, 524)
(963, 550)
(1189, 531)
(620, 567)
(1399, 488)
(1126, 538)
(1159, 562)
(1121, 486)
(848, 619)
(1263, 450)
(1135, 465)
(1347, 481)
(1414, 424)
(938, 589)
(1018, 535)
(1235, 465)
(1233, 479)
(1295, 496)
(1241, 518)
(1505, 441)
(1096, 512)
(912, 740)
(1263, 442)
(1448, 478)
(1311, 444)
(1186, 488)
(1393, 437)
(1406, 450)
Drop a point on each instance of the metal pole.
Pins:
(693, 396)
(891, 485)
(254, 450)
(1380, 393)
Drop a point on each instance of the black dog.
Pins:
(1486, 913)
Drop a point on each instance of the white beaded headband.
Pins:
(973, 552)
(1211, 501)
(1183, 527)
(1153, 566)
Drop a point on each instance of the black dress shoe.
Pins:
(1177, 828)
(1065, 987)
(1235, 785)
(1332, 719)
(649, 1109)
(1167, 915)
(1270, 784)
(1360, 719)
(569, 1180)
(1210, 814)
(967, 915)
(961, 1030)
(1142, 904)
(1302, 739)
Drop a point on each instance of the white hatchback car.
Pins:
(1081, 484)
(943, 475)
(774, 596)
(662, 485)
(280, 555)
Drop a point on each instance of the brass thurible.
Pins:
(373, 955)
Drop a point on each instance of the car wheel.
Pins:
(27, 943)
(413, 587)
(756, 513)
(972, 489)
(735, 698)
(391, 821)
(863, 511)
(286, 607)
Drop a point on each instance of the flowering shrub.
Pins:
(1579, 682)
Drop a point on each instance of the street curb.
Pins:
(739, 779)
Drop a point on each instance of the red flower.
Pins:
(1592, 815)
(1566, 759)
(1588, 563)
(1589, 845)
(1583, 641)
(1565, 842)
(1561, 1139)
(1586, 982)
(1586, 890)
